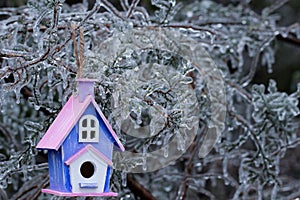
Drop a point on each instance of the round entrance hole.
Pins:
(87, 169)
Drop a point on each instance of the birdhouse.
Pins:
(80, 144)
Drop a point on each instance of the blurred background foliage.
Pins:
(286, 67)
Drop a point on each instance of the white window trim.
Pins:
(88, 129)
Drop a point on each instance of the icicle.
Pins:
(9, 180)
(238, 192)
(199, 167)
(37, 23)
(50, 95)
(212, 39)
(18, 96)
(2, 99)
(166, 151)
(284, 33)
(25, 173)
(225, 170)
(144, 164)
(124, 178)
(144, 157)
(213, 181)
(33, 126)
(37, 107)
(296, 30)
(274, 192)
(3, 184)
(50, 77)
(180, 141)
(139, 119)
(240, 50)
(259, 192)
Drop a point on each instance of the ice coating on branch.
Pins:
(282, 105)
(153, 93)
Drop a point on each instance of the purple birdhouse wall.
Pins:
(80, 144)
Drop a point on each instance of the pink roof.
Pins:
(66, 120)
(85, 149)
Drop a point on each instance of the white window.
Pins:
(88, 129)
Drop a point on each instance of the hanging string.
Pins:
(79, 58)
(81, 35)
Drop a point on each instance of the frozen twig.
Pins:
(292, 144)
(291, 38)
(132, 7)
(108, 6)
(254, 137)
(11, 53)
(248, 78)
(31, 189)
(241, 90)
(274, 6)
(194, 27)
(138, 189)
(182, 191)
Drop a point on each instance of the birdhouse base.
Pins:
(69, 194)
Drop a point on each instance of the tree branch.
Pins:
(132, 7)
(274, 6)
(31, 189)
(138, 189)
(292, 144)
(292, 39)
(189, 167)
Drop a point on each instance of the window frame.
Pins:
(88, 129)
